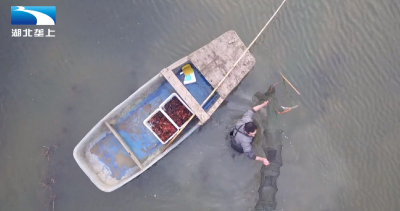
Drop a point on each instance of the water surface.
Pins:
(342, 147)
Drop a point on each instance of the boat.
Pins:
(120, 147)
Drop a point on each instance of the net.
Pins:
(272, 147)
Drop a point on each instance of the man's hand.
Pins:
(257, 108)
(263, 160)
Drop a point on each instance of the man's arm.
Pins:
(264, 160)
(248, 150)
(258, 107)
(247, 117)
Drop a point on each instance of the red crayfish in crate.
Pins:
(162, 126)
(177, 111)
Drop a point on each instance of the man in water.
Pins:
(242, 136)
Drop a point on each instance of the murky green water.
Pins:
(342, 151)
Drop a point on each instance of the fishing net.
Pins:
(272, 147)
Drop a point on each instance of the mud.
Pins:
(107, 170)
(124, 161)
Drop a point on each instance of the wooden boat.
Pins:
(120, 147)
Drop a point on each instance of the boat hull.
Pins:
(104, 160)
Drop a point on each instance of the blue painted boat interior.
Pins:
(142, 141)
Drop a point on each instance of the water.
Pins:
(342, 148)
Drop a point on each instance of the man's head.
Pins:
(250, 128)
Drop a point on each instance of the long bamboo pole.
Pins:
(227, 74)
(284, 78)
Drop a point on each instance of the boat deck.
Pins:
(214, 61)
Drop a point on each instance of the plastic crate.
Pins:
(167, 100)
(145, 122)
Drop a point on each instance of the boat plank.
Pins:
(215, 106)
(133, 156)
(185, 94)
(215, 59)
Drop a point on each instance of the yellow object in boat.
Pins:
(187, 69)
